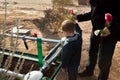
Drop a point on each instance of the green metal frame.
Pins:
(37, 58)
(40, 56)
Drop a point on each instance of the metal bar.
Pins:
(40, 56)
(56, 72)
(10, 73)
(24, 56)
(52, 51)
(32, 38)
(51, 58)
(55, 55)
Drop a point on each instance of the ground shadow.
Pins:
(87, 78)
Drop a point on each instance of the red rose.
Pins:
(108, 17)
(71, 11)
(35, 34)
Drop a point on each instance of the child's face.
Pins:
(65, 33)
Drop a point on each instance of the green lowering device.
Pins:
(40, 57)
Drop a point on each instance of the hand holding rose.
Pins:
(105, 32)
(72, 15)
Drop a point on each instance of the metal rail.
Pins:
(53, 54)
(31, 38)
(10, 73)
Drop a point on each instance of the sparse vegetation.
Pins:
(55, 17)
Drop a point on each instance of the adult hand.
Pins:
(107, 32)
(74, 17)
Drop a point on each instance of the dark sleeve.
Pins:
(78, 29)
(66, 56)
(84, 17)
(115, 27)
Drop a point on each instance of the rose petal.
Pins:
(96, 32)
(108, 17)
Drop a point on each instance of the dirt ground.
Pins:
(29, 12)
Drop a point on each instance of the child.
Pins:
(71, 52)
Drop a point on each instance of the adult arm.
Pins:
(84, 17)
